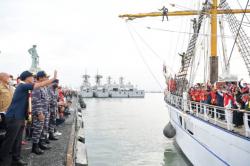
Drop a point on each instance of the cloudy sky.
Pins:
(74, 36)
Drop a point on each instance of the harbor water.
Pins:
(128, 132)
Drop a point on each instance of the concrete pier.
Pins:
(69, 150)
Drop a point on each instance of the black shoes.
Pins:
(47, 141)
(36, 149)
(19, 162)
(43, 146)
(59, 121)
(52, 137)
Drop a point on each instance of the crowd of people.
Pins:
(229, 95)
(31, 107)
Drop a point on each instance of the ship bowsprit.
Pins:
(169, 131)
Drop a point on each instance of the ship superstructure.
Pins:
(118, 90)
(86, 90)
(134, 92)
(100, 91)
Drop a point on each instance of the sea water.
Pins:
(128, 132)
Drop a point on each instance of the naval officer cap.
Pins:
(25, 75)
(56, 81)
(41, 74)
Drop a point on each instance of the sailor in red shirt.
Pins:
(213, 96)
(229, 100)
(192, 97)
(172, 85)
(60, 94)
(197, 95)
(192, 94)
(203, 95)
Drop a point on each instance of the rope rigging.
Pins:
(184, 35)
(150, 48)
(191, 51)
(242, 9)
(176, 47)
(238, 32)
(184, 7)
(225, 66)
(196, 63)
(142, 57)
(189, 33)
(188, 56)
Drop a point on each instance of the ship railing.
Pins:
(216, 115)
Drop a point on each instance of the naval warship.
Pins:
(109, 90)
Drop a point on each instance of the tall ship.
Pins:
(86, 90)
(206, 132)
(100, 91)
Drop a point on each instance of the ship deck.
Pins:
(222, 124)
(204, 112)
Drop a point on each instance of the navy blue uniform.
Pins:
(15, 117)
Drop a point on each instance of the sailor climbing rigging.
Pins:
(164, 12)
(194, 24)
(183, 56)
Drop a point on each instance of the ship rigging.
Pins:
(195, 124)
(210, 10)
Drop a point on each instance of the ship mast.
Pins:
(121, 80)
(213, 11)
(214, 58)
(98, 78)
(109, 80)
(86, 78)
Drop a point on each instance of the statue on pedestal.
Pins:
(35, 59)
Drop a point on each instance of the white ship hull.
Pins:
(136, 94)
(119, 94)
(101, 94)
(85, 94)
(208, 145)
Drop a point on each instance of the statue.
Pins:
(35, 59)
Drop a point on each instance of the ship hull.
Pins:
(101, 94)
(136, 94)
(119, 94)
(87, 94)
(204, 144)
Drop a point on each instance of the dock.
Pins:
(69, 150)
